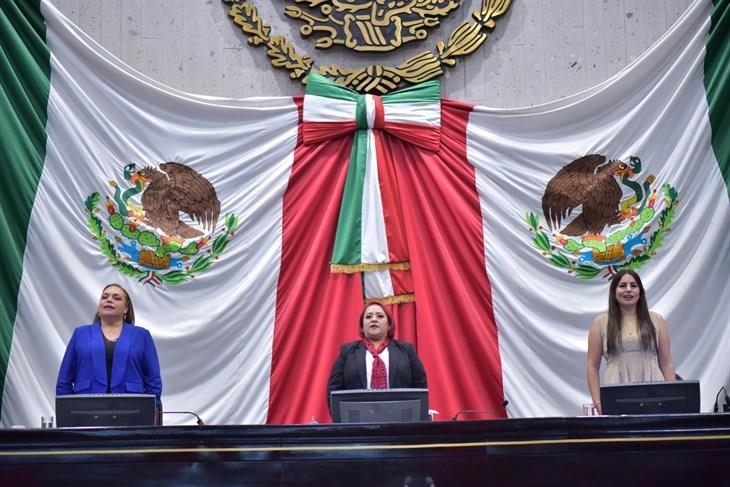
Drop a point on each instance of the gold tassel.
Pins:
(365, 267)
(400, 299)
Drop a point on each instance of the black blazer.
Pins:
(405, 369)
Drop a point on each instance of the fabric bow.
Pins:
(366, 241)
(412, 114)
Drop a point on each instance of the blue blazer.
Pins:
(135, 367)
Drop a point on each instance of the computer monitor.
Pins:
(105, 410)
(664, 397)
(379, 406)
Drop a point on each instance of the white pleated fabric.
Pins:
(374, 237)
(655, 109)
(214, 333)
(322, 109)
(424, 113)
(377, 284)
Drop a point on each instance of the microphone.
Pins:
(200, 420)
(503, 405)
(726, 405)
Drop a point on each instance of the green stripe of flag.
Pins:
(361, 114)
(348, 240)
(430, 91)
(717, 85)
(320, 86)
(25, 79)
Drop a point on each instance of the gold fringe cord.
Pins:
(365, 267)
(400, 299)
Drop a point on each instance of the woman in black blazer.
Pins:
(377, 361)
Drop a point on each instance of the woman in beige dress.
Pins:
(633, 340)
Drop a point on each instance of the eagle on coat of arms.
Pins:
(636, 221)
(144, 235)
(591, 182)
(178, 188)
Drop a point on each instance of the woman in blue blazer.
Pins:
(111, 355)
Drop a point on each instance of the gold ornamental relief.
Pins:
(370, 26)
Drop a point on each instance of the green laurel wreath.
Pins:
(154, 278)
(541, 240)
(666, 217)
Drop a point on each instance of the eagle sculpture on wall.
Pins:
(175, 189)
(589, 182)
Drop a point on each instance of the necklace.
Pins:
(631, 327)
(112, 333)
(111, 339)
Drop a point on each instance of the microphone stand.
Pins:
(200, 420)
(503, 405)
(726, 405)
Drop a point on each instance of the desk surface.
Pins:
(644, 450)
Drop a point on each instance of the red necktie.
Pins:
(379, 377)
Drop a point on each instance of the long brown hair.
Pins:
(129, 315)
(647, 332)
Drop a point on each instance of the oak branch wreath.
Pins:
(376, 79)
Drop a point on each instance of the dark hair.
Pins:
(129, 315)
(391, 328)
(647, 332)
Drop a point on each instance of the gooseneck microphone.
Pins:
(481, 411)
(200, 420)
(726, 404)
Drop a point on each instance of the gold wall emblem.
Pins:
(370, 26)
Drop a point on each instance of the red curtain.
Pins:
(451, 322)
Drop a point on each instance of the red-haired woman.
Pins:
(377, 361)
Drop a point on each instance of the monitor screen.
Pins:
(105, 410)
(379, 406)
(664, 397)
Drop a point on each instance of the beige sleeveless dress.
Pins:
(630, 363)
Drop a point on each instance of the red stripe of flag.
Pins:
(426, 136)
(392, 213)
(456, 330)
(451, 322)
(314, 132)
(315, 311)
